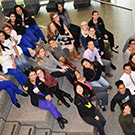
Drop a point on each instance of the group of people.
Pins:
(20, 36)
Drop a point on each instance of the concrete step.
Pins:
(2, 124)
(27, 130)
(11, 128)
(58, 133)
(43, 132)
(80, 133)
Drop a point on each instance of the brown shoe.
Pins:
(59, 102)
(69, 63)
(109, 87)
(75, 53)
(108, 74)
(71, 56)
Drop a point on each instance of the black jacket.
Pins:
(93, 75)
(41, 86)
(100, 41)
(18, 27)
(101, 25)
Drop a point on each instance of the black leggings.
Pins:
(99, 124)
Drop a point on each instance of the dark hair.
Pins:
(125, 65)
(130, 41)
(23, 10)
(94, 11)
(91, 40)
(40, 68)
(31, 70)
(50, 39)
(6, 37)
(73, 76)
(118, 83)
(12, 12)
(85, 94)
(123, 105)
(92, 27)
(84, 59)
(57, 6)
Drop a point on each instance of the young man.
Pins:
(92, 52)
(123, 96)
(131, 49)
(98, 23)
(129, 78)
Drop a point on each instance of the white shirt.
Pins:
(15, 36)
(10, 45)
(128, 82)
(6, 62)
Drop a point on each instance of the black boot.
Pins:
(113, 66)
(24, 94)
(44, 41)
(61, 123)
(64, 120)
(17, 105)
(68, 96)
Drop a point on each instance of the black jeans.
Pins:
(99, 124)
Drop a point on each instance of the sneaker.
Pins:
(102, 108)
(44, 41)
(17, 105)
(24, 94)
(59, 102)
(38, 42)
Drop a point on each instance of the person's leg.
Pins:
(84, 44)
(31, 35)
(47, 105)
(38, 30)
(19, 64)
(62, 74)
(25, 50)
(5, 85)
(111, 38)
(95, 84)
(21, 78)
(24, 61)
(107, 64)
(26, 41)
(103, 82)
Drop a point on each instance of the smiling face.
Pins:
(132, 45)
(19, 11)
(7, 30)
(127, 70)
(91, 45)
(60, 8)
(12, 17)
(133, 59)
(56, 18)
(122, 89)
(52, 44)
(52, 28)
(92, 31)
(95, 16)
(40, 73)
(32, 76)
(79, 89)
(127, 110)
(2, 37)
(86, 64)
(41, 53)
(78, 75)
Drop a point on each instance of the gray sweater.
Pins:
(50, 63)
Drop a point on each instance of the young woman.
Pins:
(53, 85)
(126, 120)
(98, 23)
(40, 96)
(45, 59)
(65, 42)
(84, 33)
(12, 89)
(56, 50)
(92, 72)
(8, 62)
(27, 36)
(63, 30)
(86, 109)
(132, 61)
(63, 14)
(15, 38)
(99, 92)
(28, 21)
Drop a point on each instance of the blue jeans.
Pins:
(37, 30)
(21, 78)
(83, 41)
(47, 105)
(29, 33)
(101, 82)
(11, 88)
(24, 62)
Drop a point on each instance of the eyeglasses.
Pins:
(55, 17)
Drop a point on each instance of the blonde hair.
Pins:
(5, 24)
(39, 59)
(49, 32)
